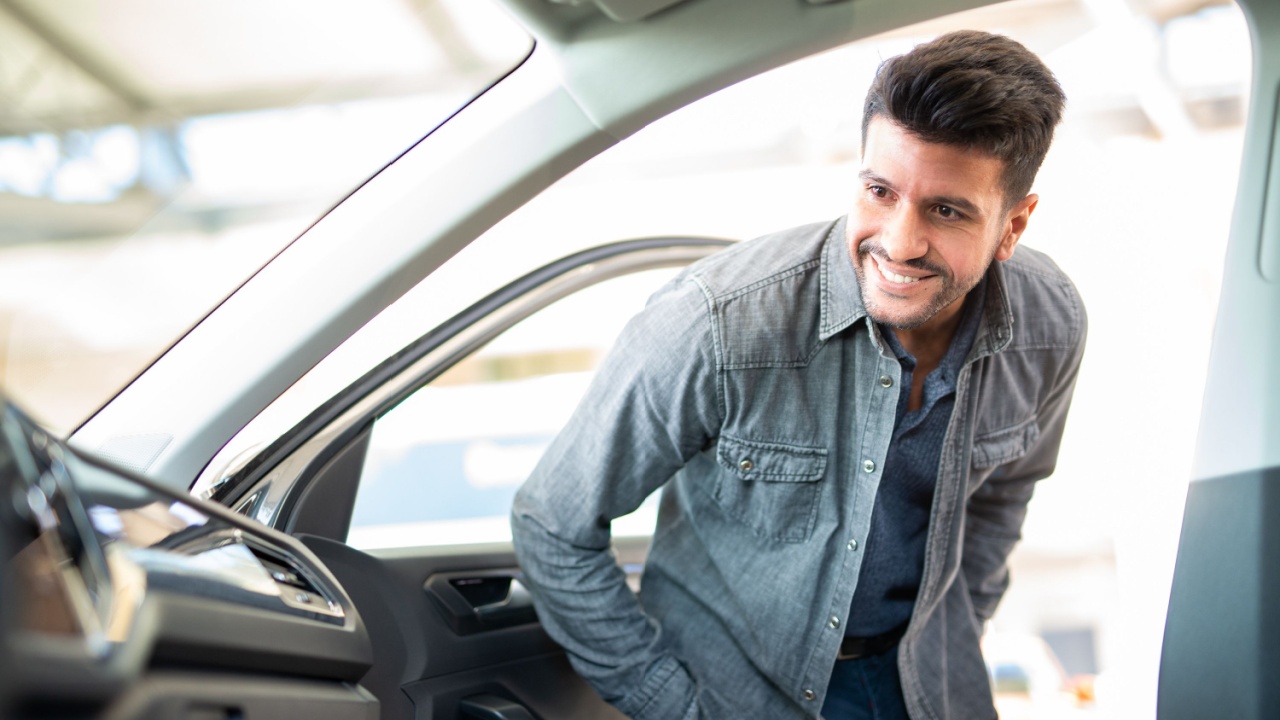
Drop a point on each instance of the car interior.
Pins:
(161, 563)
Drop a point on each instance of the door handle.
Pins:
(518, 602)
(484, 600)
(492, 707)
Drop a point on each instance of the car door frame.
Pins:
(305, 481)
(1218, 657)
(438, 652)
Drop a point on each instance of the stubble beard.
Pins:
(950, 291)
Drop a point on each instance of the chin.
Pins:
(898, 320)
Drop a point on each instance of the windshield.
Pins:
(151, 150)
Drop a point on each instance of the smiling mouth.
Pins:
(892, 276)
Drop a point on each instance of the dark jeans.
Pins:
(866, 689)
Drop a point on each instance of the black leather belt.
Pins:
(852, 648)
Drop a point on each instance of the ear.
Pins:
(1015, 225)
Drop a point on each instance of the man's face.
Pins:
(927, 221)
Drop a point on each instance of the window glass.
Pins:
(153, 155)
(443, 465)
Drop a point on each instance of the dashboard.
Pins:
(123, 600)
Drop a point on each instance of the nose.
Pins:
(903, 235)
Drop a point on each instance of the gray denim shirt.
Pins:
(757, 390)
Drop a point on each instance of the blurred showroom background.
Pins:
(153, 155)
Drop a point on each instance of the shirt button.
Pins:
(868, 466)
(808, 694)
(853, 544)
(834, 622)
(886, 381)
(746, 464)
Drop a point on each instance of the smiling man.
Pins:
(848, 418)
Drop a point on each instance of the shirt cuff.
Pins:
(668, 692)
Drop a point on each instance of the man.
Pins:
(852, 416)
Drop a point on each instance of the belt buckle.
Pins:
(852, 648)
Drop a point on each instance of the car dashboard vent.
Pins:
(298, 588)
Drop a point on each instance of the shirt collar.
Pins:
(996, 331)
(842, 298)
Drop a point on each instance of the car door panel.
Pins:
(426, 661)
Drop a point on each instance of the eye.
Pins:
(879, 191)
(948, 213)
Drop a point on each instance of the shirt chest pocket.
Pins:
(993, 450)
(771, 487)
(1004, 446)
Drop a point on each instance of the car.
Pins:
(268, 520)
(1028, 681)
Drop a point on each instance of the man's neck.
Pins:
(928, 344)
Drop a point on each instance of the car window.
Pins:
(152, 159)
(443, 466)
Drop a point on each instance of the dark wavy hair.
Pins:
(976, 90)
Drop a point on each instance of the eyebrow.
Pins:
(958, 203)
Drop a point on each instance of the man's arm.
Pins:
(996, 510)
(652, 406)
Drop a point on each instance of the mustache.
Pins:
(871, 247)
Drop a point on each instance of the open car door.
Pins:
(402, 484)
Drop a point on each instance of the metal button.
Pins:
(808, 694)
(746, 464)
(868, 466)
(853, 544)
(302, 597)
(886, 381)
(834, 622)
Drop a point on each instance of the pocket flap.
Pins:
(773, 462)
(1005, 445)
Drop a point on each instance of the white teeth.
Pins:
(894, 277)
